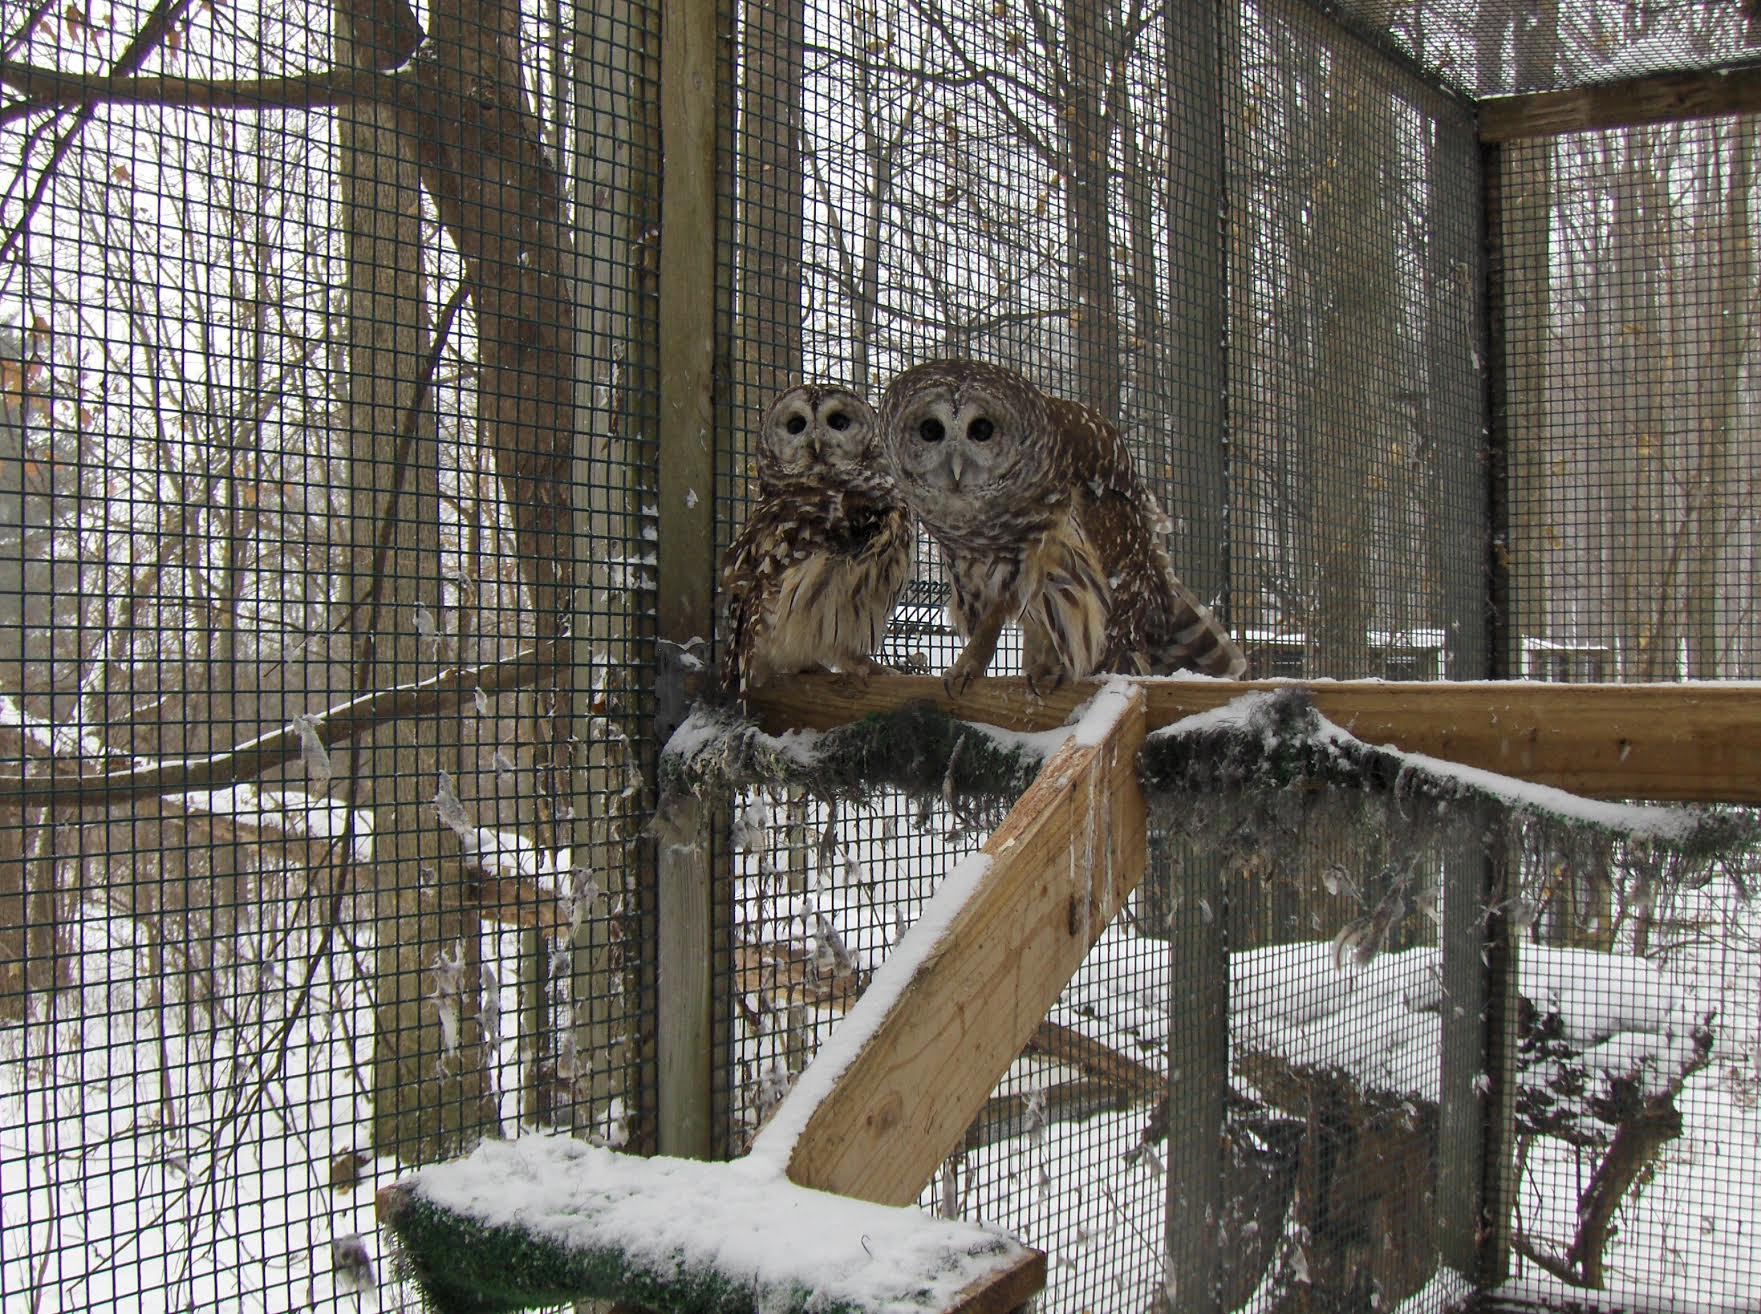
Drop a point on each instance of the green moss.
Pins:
(463, 1266)
(917, 750)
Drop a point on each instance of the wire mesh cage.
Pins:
(362, 511)
(293, 560)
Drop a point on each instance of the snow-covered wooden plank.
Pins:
(895, 1087)
(1691, 742)
(548, 1219)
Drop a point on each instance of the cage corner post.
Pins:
(1477, 1079)
(690, 101)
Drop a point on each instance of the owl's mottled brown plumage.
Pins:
(824, 554)
(1042, 519)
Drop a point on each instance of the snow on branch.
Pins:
(1273, 786)
(544, 1220)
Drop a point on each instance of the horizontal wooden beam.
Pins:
(1698, 742)
(934, 1047)
(1627, 103)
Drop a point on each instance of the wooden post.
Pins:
(690, 98)
(1183, 896)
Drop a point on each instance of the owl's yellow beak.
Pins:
(957, 464)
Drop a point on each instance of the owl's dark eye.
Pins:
(795, 423)
(980, 431)
(838, 420)
(931, 431)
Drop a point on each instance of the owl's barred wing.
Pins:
(1157, 625)
(800, 545)
(1095, 452)
(751, 577)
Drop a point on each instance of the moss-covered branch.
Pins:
(1279, 764)
(545, 1220)
(916, 750)
(1273, 787)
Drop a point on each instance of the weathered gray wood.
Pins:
(690, 98)
(1627, 103)
(684, 984)
(1183, 889)
(1462, 1134)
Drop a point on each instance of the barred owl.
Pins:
(1041, 519)
(824, 554)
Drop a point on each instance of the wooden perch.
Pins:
(914, 748)
(1669, 742)
(1269, 744)
(1672, 97)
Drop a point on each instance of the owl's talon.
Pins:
(853, 680)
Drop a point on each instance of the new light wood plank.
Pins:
(1062, 863)
(1669, 742)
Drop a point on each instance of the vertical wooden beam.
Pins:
(1476, 1125)
(690, 99)
(1185, 888)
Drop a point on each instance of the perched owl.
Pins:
(1041, 519)
(826, 551)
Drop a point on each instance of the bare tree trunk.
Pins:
(1356, 224)
(770, 188)
(1084, 75)
(430, 1091)
(613, 155)
(13, 905)
(1728, 341)
(1647, 611)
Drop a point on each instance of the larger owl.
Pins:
(824, 554)
(1042, 520)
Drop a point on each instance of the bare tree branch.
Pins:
(345, 722)
(144, 42)
(51, 88)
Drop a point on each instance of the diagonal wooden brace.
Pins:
(931, 1047)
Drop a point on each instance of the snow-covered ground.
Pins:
(159, 1156)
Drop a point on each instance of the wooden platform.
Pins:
(1668, 742)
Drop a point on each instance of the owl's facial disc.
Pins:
(845, 430)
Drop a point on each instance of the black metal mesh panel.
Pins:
(1273, 181)
(1353, 371)
(289, 409)
(1357, 539)
(1629, 270)
(1507, 46)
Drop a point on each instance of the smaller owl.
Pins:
(1042, 521)
(824, 554)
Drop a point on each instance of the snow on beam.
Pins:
(1263, 744)
(1693, 742)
